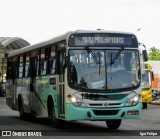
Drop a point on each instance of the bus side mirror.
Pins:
(152, 74)
(65, 59)
(65, 63)
(145, 55)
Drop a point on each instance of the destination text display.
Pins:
(102, 40)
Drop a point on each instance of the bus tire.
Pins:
(113, 124)
(21, 111)
(56, 123)
(144, 105)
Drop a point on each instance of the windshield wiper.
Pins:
(116, 56)
(96, 60)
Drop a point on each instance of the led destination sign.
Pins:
(103, 40)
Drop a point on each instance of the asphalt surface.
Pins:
(150, 122)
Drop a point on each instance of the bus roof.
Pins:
(38, 45)
(100, 31)
(60, 38)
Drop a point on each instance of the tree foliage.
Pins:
(154, 54)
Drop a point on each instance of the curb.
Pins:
(155, 103)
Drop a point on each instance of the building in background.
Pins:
(8, 44)
(156, 70)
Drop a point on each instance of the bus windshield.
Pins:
(85, 72)
(146, 80)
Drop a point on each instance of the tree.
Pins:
(154, 54)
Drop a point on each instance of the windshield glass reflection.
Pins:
(95, 69)
(146, 82)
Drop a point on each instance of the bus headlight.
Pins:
(75, 101)
(133, 101)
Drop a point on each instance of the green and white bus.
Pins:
(81, 75)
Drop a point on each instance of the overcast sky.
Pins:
(39, 20)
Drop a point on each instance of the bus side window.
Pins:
(52, 60)
(43, 62)
(47, 57)
(52, 64)
(27, 65)
(15, 67)
(20, 71)
(38, 63)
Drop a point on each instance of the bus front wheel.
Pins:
(113, 124)
(57, 123)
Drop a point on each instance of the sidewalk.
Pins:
(156, 102)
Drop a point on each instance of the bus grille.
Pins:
(110, 104)
(105, 112)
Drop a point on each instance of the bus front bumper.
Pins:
(84, 113)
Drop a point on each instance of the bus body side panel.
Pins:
(9, 93)
(41, 96)
(44, 89)
(26, 94)
(53, 91)
(23, 91)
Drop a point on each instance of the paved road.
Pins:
(9, 120)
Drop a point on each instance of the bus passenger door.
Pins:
(61, 95)
(33, 99)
